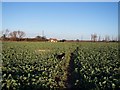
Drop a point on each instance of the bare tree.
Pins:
(13, 34)
(5, 33)
(16, 35)
(116, 38)
(20, 34)
(99, 39)
(94, 37)
(107, 38)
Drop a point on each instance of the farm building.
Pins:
(53, 40)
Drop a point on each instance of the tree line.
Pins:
(95, 37)
(19, 36)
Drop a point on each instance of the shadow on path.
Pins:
(76, 79)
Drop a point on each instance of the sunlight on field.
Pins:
(87, 65)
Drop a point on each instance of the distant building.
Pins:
(53, 40)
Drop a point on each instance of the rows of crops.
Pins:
(96, 66)
(33, 65)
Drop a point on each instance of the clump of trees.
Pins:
(14, 35)
(63, 40)
(40, 38)
(95, 37)
(19, 36)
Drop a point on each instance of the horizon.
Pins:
(62, 20)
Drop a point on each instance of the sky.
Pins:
(61, 20)
(60, 0)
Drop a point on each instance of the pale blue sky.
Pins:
(62, 20)
(60, 0)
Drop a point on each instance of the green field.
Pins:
(34, 66)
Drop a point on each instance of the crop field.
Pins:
(39, 65)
